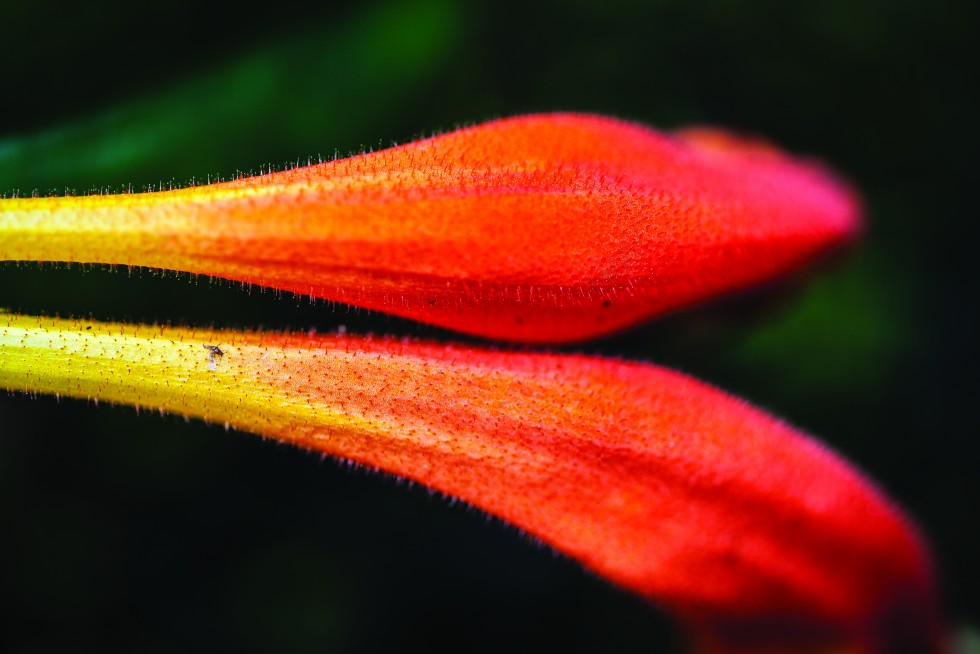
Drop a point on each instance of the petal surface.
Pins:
(542, 228)
(660, 483)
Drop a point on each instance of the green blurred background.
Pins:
(143, 533)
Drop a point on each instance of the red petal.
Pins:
(658, 482)
(539, 228)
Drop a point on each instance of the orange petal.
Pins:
(660, 483)
(540, 228)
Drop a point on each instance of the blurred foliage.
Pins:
(967, 642)
(320, 86)
(141, 532)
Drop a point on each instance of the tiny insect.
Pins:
(214, 355)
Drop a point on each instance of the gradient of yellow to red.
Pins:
(543, 228)
(666, 486)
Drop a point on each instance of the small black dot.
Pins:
(606, 304)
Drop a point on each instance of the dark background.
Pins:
(143, 533)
